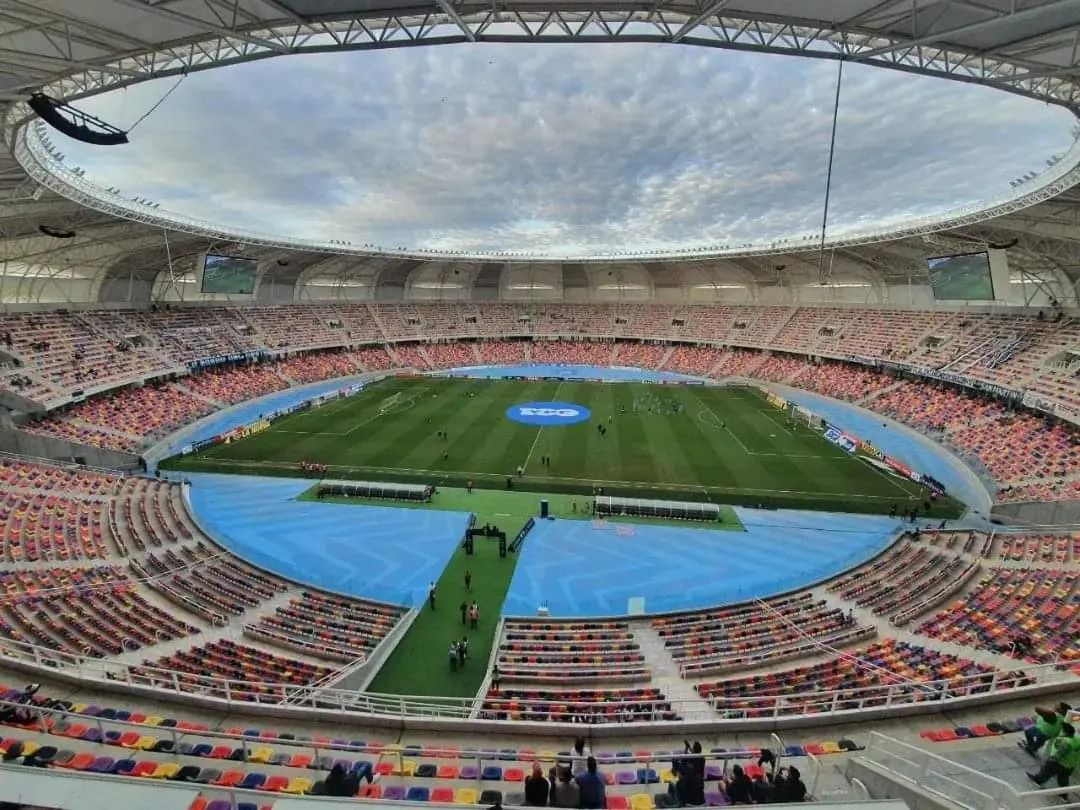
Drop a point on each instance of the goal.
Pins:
(805, 417)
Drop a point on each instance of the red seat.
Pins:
(617, 803)
(371, 792)
(144, 768)
(80, 762)
(514, 775)
(275, 783)
(444, 795)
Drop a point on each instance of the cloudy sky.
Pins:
(563, 149)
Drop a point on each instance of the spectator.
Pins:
(452, 654)
(739, 788)
(788, 786)
(340, 782)
(689, 788)
(1047, 726)
(591, 785)
(1063, 760)
(536, 788)
(566, 793)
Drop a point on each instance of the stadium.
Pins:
(553, 417)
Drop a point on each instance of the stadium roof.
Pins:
(75, 48)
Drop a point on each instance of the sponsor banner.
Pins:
(841, 439)
(956, 379)
(546, 414)
(776, 401)
(1052, 407)
(870, 449)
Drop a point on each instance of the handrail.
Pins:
(950, 779)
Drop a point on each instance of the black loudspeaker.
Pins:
(75, 123)
(543, 508)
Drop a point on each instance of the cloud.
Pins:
(564, 149)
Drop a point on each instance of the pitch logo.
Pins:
(548, 413)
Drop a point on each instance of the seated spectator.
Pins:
(591, 785)
(340, 782)
(566, 793)
(738, 788)
(536, 788)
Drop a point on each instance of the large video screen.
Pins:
(230, 275)
(964, 277)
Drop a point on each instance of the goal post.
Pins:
(807, 417)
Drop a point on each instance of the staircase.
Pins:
(666, 676)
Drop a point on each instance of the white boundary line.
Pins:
(554, 398)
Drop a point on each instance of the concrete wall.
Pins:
(29, 444)
(1056, 512)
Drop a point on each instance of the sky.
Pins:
(563, 150)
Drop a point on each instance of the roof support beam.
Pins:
(450, 12)
(697, 20)
(970, 28)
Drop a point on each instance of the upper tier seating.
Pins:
(1041, 605)
(864, 678)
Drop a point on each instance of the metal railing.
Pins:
(908, 764)
(818, 704)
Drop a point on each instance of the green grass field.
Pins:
(686, 442)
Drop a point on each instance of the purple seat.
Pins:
(219, 804)
(1025, 722)
(713, 772)
(469, 772)
(715, 799)
(394, 793)
(91, 711)
(102, 765)
(92, 735)
(627, 778)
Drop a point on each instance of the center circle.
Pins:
(548, 414)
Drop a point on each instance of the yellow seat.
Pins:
(166, 770)
(146, 743)
(298, 785)
(831, 748)
(408, 767)
(153, 720)
(78, 708)
(546, 756)
(667, 776)
(391, 748)
(261, 755)
(29, 747)
(641, 801)
(466, 796)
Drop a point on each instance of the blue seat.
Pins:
(417, 794)
(647, 776)
(491, 773)
(253, 781)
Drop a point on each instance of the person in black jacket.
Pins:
(739, 788)
(537, 788)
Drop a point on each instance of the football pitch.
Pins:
(685, 442)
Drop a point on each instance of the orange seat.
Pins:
(230, 779)
(80, 762)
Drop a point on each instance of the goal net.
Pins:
(808, 418)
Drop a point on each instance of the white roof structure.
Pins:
(115, 250)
